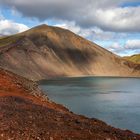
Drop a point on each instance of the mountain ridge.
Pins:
(134, 58)
(46, 52)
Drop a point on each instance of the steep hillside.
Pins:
(44, 52)
(134, 58)
(26, 114)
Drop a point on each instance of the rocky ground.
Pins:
(26, 114)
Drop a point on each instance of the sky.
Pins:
(112, 24)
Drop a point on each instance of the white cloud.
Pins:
(118, 48)
(133, 44)
(119, 19)
(8, 27)
(105, 14)
(128, 48)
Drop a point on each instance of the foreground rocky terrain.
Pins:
(27, 114)
(45, 52)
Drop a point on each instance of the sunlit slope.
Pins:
(46, 52)
(134, 58)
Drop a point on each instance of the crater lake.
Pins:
(113, 100)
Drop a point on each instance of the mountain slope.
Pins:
(46, 52)
(134, 58)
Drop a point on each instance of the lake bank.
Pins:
(114, 100)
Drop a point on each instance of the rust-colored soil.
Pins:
(26, 114)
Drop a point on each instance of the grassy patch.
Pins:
(134, 58)
(4, 41)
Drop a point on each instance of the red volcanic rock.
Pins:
(26, 114)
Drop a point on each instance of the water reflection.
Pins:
(114, 100)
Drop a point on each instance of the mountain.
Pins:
(134, 58)
(1, 35)
(27, 114)
(45, 52)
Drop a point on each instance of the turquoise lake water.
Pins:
(113, 100)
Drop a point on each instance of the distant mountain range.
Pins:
(134, 58)
(45, 52)
(2, 35)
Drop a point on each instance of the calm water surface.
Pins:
(113, 100)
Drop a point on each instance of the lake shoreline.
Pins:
(83, 76)
(103, 97)
(27, 113)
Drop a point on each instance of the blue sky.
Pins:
(130, 4)
(112, 24)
